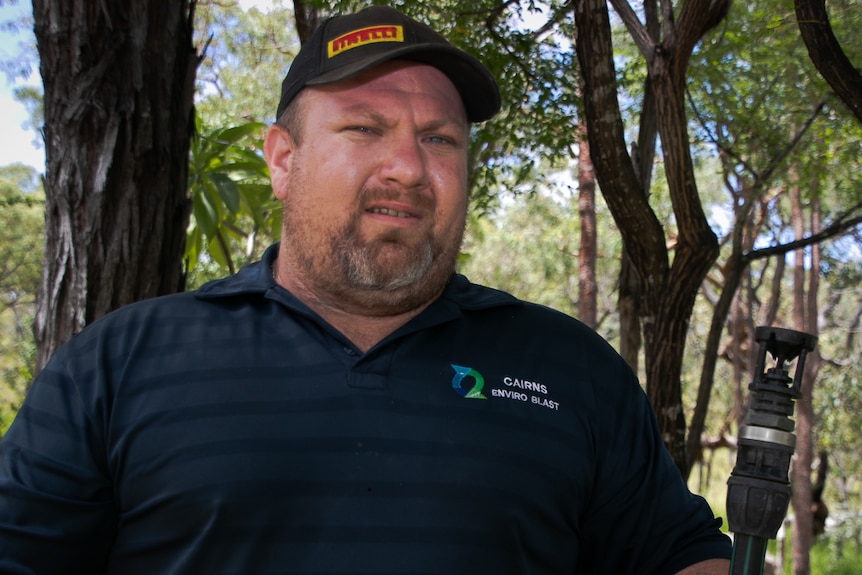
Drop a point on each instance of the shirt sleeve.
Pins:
(642, 517)
(56, 501)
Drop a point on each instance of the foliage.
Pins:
(836, 552)
(234, 211)
(752, 97)
(843, 539)
(31, 98)
(838, 392)
(529, 247)
(20, 64)
(245, 56)
(21, 205)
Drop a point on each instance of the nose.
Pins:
(404, 162)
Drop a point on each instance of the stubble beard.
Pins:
(386, 275)
(364, 266)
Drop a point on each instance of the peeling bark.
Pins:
(119, 85)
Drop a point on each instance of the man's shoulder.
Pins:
(502, 306)
(472, 296)
(164, 306)
(239, 289)
(511, 323)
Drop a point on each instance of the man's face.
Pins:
(375, 192)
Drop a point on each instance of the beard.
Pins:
(391, 273)
(367, 265)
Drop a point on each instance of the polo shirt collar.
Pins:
(459, 295)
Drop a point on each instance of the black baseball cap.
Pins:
(344, 46)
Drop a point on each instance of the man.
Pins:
(348, 404)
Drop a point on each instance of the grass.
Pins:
(833, 554)
(827, 558)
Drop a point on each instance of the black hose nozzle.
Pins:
(758, 492)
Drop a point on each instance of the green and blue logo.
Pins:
(461, 373)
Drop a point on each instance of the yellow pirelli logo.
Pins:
(363, 36)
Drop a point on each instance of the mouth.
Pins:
(390, 212)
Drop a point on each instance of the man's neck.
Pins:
(363, 328)
(364, 332)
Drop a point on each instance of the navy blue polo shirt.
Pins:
(232, 431)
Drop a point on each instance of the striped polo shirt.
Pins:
(232, 431)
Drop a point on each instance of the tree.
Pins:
(587, 249)
(119, 84)
(762, 108)
(668, 289)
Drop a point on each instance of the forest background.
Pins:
(746, 213)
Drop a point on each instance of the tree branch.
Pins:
(826, 54)
(841, 225)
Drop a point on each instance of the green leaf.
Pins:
(214, 247)
(227, 191)
(205, 215)
(236, 133)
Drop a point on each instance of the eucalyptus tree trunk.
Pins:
(668, 289)
(588, 249)
(119, 84)
(805, 313)
(643, 156)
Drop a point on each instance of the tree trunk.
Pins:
(119, 85)
(629, 304)
(739, 341)
(587, 250)
(668, 291)
(643, 155)
(805, 313)
(735, 269)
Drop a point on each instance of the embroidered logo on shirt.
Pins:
(527, 391)
(461, 373)
(510, 388)
(363, 36)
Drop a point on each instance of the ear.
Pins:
(278, 148)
